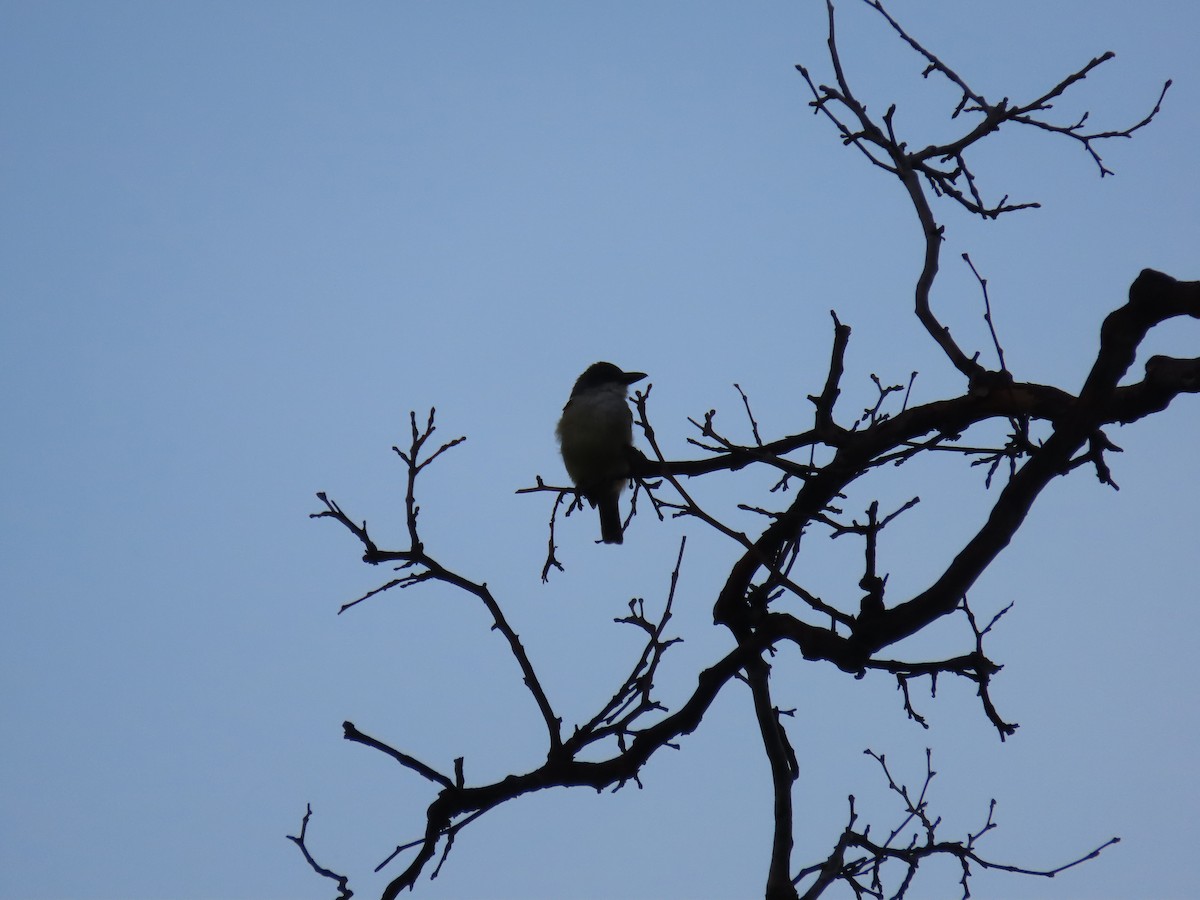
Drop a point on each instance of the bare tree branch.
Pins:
(300, 840)
(764, 603)
(911, 842)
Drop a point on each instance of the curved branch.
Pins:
(560, 771)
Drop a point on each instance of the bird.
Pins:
(595, 435)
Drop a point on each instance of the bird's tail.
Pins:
(610, 521)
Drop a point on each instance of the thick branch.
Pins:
(1153, 298)
(784, 772)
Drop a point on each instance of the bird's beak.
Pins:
(631, 377)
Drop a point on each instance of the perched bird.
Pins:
(595, 434)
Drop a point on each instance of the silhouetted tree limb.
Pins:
(763, 602)
(300, 840)
(909, 844)
(784, 771)
(879, 142)
(428, 569)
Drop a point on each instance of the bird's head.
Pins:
(602, 374)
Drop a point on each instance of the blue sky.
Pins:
(239, 242)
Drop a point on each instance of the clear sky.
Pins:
(238, 242)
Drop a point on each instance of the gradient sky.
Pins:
(241, 241)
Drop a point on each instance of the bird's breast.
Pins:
(595, 433)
